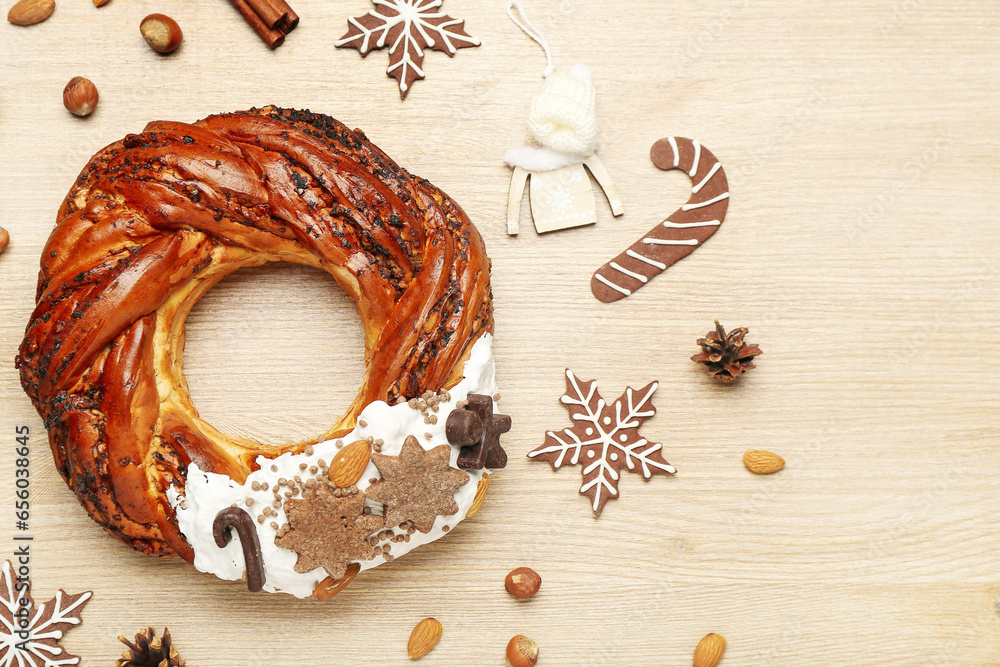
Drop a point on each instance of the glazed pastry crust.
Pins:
(158, 218)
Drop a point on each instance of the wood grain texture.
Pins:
(860, 248)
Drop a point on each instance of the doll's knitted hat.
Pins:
(562, 115)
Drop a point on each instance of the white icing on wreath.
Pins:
(206, 493)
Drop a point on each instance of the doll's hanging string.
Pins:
(563, 114)
(532, 32)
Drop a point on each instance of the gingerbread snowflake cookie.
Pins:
(29, 635)
(604, 439)
(407, 28)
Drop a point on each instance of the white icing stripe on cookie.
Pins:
(686, 225)
(673, 147)
(563, 449)
(642, 258)
(707, 178)
(638, 276)
(688, 207)
(653, 241)
(697, 157)
(612, 285)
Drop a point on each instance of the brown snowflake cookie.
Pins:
(407, 28)
(417, 486)
(29, 635)
(328, 531)
(604, 439)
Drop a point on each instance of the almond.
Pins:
(350, 463)
(477, 502)
(762, 462)
(30, 12)
(709, 651)
(329, 587)
(424, 637)
(522, 652)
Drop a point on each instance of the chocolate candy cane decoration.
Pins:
(235, 518)
(681, 233)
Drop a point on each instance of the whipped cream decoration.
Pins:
(207, 493)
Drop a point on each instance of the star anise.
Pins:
(726, 356)
(148, 650)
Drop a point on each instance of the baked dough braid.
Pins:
(157, 219)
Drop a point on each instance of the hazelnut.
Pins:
(80, 96)
(522, 582)
(4, 239)
(521, 652)
(161, 33)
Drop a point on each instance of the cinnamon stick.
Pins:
(272, 37)
(291, 18)
(269, 11)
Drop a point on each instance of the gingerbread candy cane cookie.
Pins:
(681, 233)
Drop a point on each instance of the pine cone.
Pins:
(726, 356)
(148, 650)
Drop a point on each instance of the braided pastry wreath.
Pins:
(151, 224)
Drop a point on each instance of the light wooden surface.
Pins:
(861, 249)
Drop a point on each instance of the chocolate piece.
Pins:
(604, 439)
(487, 453)
(464, 428)
(234, 517)
(417, 486)
(680, 234)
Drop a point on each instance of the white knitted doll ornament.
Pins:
(563, 121)
(562, 115)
